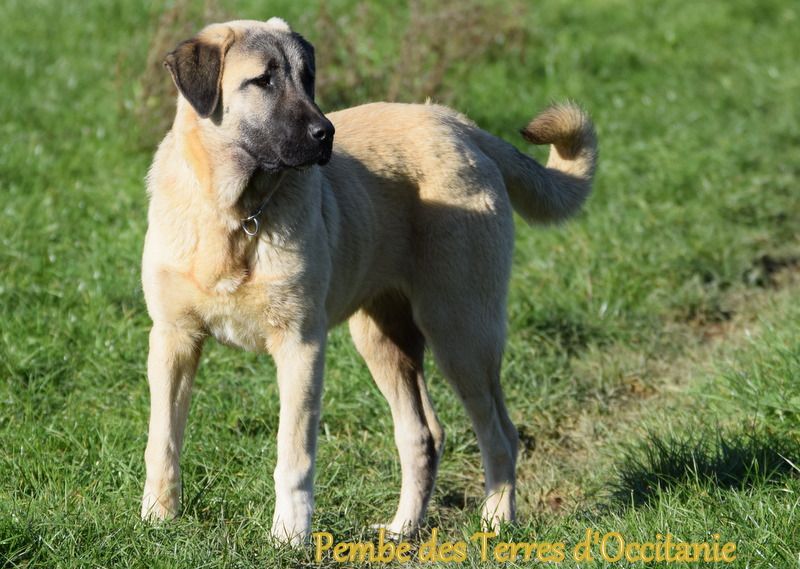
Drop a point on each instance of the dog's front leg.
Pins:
(171, 366)
(300, 360)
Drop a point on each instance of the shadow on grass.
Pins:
(730, 461)
(456, 499)
(566, 332)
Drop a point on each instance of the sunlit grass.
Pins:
(634, 415)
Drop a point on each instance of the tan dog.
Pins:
(407, 232)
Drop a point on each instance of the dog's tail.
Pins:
(545, 194)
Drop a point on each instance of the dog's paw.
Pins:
(291, 523)
(292, 536)
(160, 505)
(396, 532)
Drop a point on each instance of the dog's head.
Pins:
(254, 84)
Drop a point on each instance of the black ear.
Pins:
(310, 60)
(308, 50)
(196, 68)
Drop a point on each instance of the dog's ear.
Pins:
(196, 68)
(279, 25)
(308, 78)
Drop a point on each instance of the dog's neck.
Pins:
(229, 178)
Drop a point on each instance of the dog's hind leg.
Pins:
(463, 250)
(469, 353)
(393, 347)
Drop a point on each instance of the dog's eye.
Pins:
(263, 81)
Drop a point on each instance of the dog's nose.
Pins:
(321, 131)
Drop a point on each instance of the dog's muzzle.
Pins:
(322, 131)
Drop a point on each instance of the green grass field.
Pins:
(653, 366)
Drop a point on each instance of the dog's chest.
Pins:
(251, 312)
(234, 322)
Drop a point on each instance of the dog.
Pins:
(264, 234)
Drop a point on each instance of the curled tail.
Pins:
(546, 194)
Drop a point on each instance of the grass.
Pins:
(653, 358)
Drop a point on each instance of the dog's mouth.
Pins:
(320, 159)
(325, 156)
